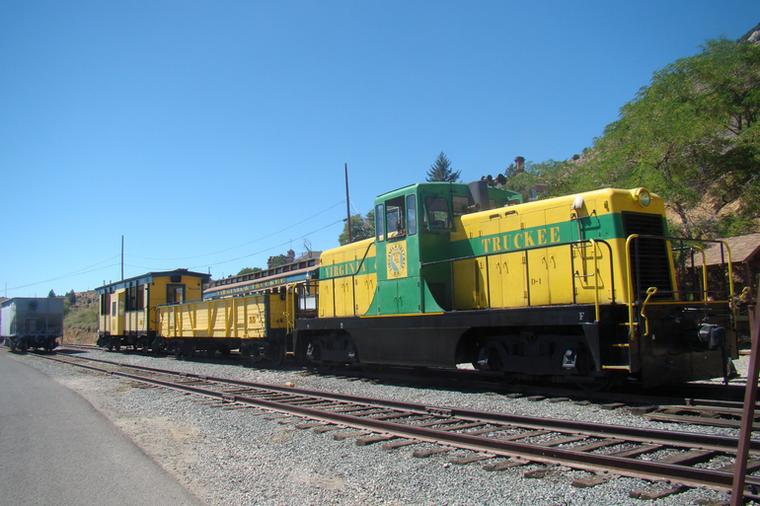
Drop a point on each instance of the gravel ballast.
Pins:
(244, 456)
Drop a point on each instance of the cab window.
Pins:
(438, 216)
(411, 214)
(395, 217)
(379, 223)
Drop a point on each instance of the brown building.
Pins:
(745, 259)
(745, 262)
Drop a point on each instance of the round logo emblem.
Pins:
(396, 260)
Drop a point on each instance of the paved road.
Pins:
(56, 449)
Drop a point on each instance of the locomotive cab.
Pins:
(414, 228)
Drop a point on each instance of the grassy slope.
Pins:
(81, 322)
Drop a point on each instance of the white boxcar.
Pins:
(31, 322)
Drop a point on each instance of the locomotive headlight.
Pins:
(643, 197)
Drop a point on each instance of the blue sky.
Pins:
(213, 134)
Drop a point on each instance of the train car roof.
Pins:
(10, 300)
(148, 277)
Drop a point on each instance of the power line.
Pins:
(285, 243)
(91, 268)
(248, 255)
(293, 225)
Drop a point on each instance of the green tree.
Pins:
(361, 228)
(278, 260)
(692, 136)
(71, 296)
(552, 177)
(441, 170)
(51, 293)
(249, 270)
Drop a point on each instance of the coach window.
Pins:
(140, 297)
(131, 298)
(379, 223)
(175, 294)
(411, 214)
(394, 217)
(438, 217)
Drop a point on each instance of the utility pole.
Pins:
(122, 257)
(348, 205)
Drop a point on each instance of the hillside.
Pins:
(692, 136)
(80, 325)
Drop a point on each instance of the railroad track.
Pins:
(500, 441)
(706, 404)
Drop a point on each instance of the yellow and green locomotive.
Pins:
(582, 287)
(576, 287)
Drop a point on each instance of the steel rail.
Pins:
(687, 392)
(686, 439)
(651, 470)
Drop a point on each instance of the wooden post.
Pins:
(750, 397)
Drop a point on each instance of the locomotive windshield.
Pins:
(438, 217)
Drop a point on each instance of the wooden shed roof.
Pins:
(743, 248)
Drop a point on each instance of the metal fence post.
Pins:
(750, 397)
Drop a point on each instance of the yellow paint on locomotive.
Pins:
(352, 294)
(544, 275)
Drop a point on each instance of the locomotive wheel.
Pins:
(276, 355)
(489, 359)
(12, 344)
(313, 353)
(23, 346)
(224, 350)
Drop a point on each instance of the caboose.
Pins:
(574, 288)
(129, 309)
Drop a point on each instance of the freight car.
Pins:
(253, 313)
(31, 322)
(128, 313)
(575, 288)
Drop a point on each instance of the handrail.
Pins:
(532, 248)
(358, 268)
(353, 276)
(629, 279)
(650, 293)
(545, 246)
(704, 275)
(705, 295)
(596, 280)
(731, 283)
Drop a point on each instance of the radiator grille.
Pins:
(649, 257)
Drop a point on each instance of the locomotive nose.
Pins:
(712, 335)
